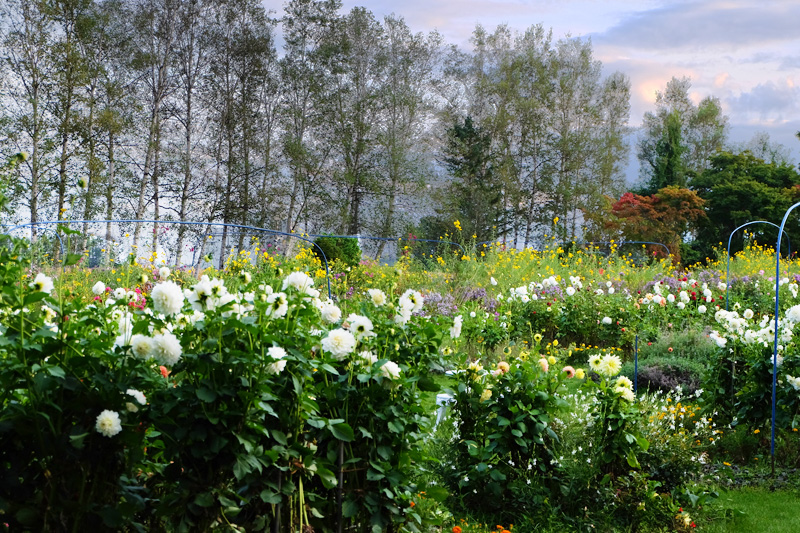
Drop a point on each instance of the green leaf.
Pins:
(271, 497)
(497, 475)
(426, 384)
(632, 460)
(67, 230)
(395, 426)
(205, 499)
(365, 433)
(77, 440)
(56, 371)
(373, 475)
(226, 502)
(437, 493)
(328, 368)
(280, 437)
(72, 259)
(34, 297)
(206, 394)
(327, 477)
(343, 431)
(349, 509)
(27, 515)
(385, 452)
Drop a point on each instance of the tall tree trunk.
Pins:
(92, 177)
(155, 178)
(110, 188)
(146, 171)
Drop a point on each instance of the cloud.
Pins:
(790, 63)
(771, 102)
(700, 25)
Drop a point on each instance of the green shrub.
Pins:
(690, 344)
(346, 251)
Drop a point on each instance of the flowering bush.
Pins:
(73, 407)
(504, 442)
(617, 421)
(260, 408)
(739, 379)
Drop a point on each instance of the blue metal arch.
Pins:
(775, 344)
(730, 237)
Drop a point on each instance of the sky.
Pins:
(744, 52)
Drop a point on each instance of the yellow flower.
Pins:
(555, 342)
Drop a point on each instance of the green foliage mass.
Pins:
(345, 251)
(740, 188)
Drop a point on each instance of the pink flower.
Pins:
(569, 370)
(544, 364)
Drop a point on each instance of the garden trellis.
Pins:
(180, 222)
(775, 345)
(304, 237)
(730, 237)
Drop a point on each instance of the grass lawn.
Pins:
(761, 511)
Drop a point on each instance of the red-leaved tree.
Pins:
(667, 217)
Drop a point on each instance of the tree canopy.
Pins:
(739, 188)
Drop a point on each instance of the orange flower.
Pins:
(412, 504)
(456, 529)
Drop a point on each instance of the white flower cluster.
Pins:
(339, 343)
(278, 355)
(208, 294)
(164, 347)
(377, 296)
(607, 365)
(740, 328)
(455, 330)
(108, 423)
(302, 283)
(167, 298)
(42, 283)
(410, 302)
(624, 388)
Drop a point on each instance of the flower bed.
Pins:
(247, 400)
